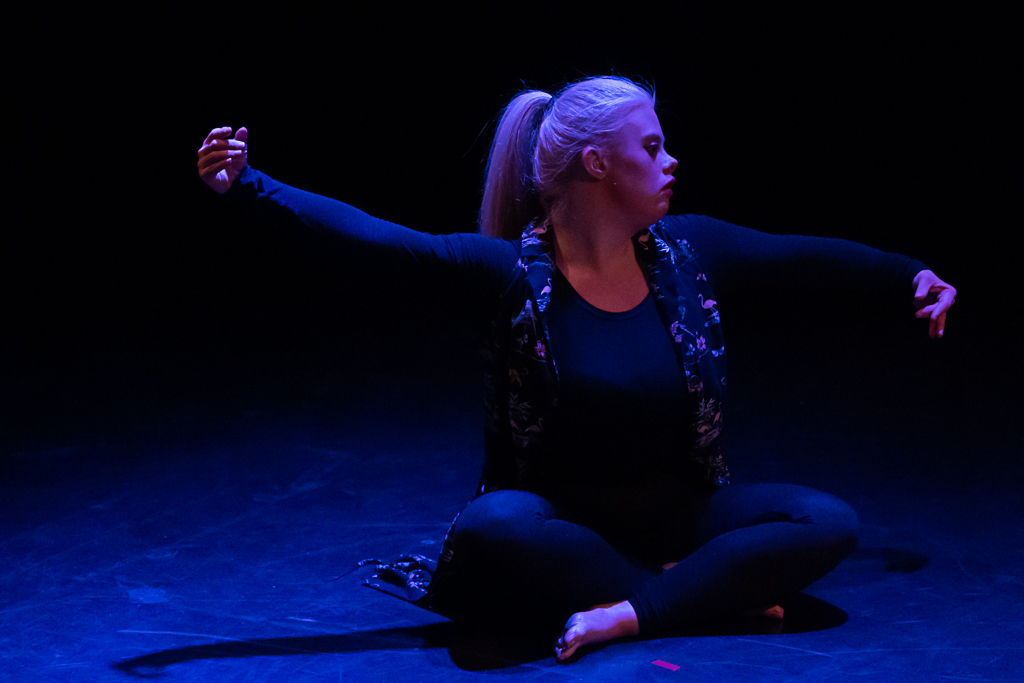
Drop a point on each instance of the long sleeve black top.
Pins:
(615, 364)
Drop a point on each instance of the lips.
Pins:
(668, 185)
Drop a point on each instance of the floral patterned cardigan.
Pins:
(521, 376)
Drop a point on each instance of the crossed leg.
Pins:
(757, 543)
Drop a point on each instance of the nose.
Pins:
(672, 163)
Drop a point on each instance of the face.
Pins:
(640, 169)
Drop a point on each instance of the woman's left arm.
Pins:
(741, 262)
(932, 298)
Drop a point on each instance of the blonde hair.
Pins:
(539, 142)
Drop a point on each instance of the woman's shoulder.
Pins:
(688, 228)
(692, 222)
(700, 230)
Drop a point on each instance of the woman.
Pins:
(604, 493)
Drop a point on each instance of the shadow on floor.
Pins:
(470, 648)
(896, 560)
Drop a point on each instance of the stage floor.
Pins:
(205, 545)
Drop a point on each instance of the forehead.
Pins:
(641, 122)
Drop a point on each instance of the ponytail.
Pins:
(541, 139)
(511, 199)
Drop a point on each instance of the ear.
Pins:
(594, 163)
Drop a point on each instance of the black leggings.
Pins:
(517, 556)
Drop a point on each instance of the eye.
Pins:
(653, 150)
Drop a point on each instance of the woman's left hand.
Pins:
(932, 298)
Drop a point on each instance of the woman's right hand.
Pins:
(222, 158)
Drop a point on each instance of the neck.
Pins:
(595, 254)
(590, 239)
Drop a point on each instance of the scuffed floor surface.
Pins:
(209, 550)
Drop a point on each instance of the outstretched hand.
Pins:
(222, 158)
(932, 298)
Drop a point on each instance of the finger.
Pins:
(217, 145)
(228, 144)
(242, 134)
(217, 133)
(207, 148)
(216, 159)
(212, 157)
(212, 171)
(923, 285)
(941, 322)
(943, 304)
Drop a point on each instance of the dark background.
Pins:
(134, 298)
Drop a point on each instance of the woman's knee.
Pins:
(496, 541)
(832, 520)
(500, 516)
(832, 515)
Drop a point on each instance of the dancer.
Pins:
(605, 494)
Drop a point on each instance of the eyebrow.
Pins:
(653, 137)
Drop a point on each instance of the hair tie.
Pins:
(536, 117)
(549, 104)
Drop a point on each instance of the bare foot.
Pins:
(773, 612)
(601, 623)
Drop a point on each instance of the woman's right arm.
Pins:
(480, 265)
